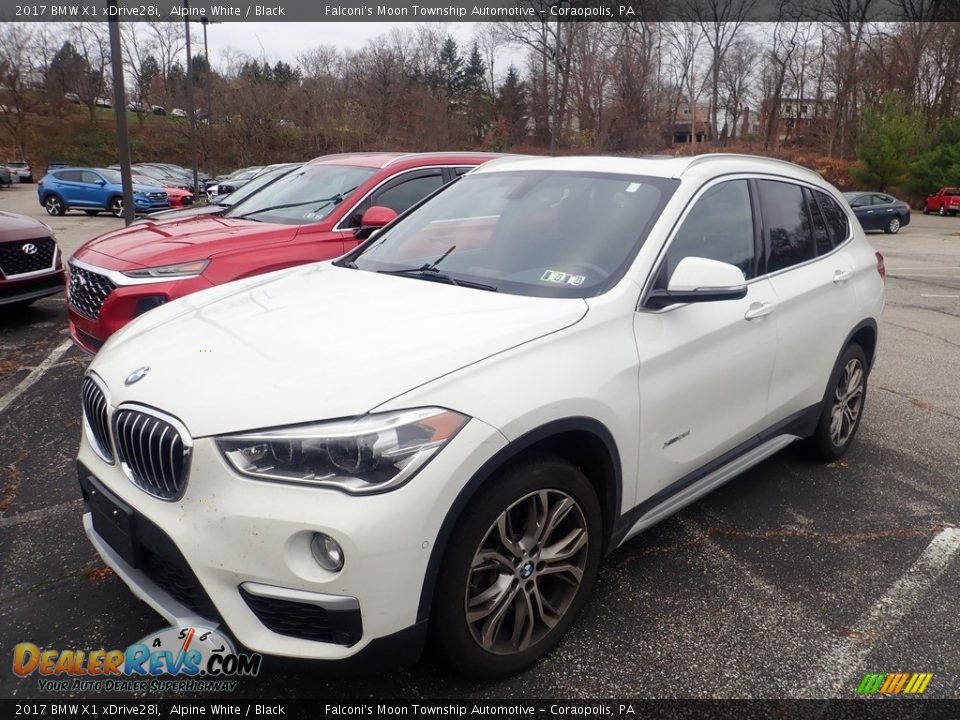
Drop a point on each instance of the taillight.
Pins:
(881, 266)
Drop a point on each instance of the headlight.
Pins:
(360, 456)
(174, 272)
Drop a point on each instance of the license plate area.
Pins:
(112, 519)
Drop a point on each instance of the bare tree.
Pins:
(720, 21)
(139, 55)
(170, 42)
(737, 77)
(782, 48)
(91, 42)
(684, 40)
(16, 79)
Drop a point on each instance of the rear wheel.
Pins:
(926, 209)
(519, 568)
(893, 226)
(942, 211)
(116, 207)
(842, 406)
(54, 205)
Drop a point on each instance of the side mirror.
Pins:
(374, 218)
(698, 279)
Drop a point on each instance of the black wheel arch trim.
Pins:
(611, 508)
(867, 323)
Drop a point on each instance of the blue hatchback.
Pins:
(93, 190)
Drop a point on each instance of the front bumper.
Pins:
(237, 537)
(123, 304)
(33, 288)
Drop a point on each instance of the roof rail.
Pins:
(440, 153)
(710, 156)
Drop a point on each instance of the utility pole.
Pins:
(192, 115)
(120, 113)
(209, 77)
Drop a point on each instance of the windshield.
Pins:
(547, 234)
(306, 195)
(253, 187)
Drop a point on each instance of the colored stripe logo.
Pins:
(894, 683)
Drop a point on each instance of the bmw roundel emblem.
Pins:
(137, 375)
(29, 249)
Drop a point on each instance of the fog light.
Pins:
(327, 552)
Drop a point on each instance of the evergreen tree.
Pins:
(889, 135)
(512, 106)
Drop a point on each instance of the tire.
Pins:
(116, 206)
(830, 442)
(533, 488)
(893, 226)
(92, 212)
(54, 205)
(942, 211)
(926, 209)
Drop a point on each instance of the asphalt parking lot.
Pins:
(791, 581)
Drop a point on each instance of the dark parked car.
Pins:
(6, 179)
(31, 266)
(879, 211)
(93, 190)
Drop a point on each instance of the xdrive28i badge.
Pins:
(137, 375)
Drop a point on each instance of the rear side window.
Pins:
(835, 216)
(718, 227)
(786, 223)
(821, 235)
(68, 175)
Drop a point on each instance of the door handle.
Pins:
(758, 310)
(841, 276)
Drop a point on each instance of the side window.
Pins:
(68, 175)
(821, 236)
(89, 177)
(400, 197)
(397, 196)
(835, 216)
(718, 227)
(461, 170)
(885, 199)
(786, 224)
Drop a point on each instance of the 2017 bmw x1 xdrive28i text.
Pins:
(454, 422)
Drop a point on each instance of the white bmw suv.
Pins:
(453, 424)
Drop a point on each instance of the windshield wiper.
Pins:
(428, 273)
(335, 199)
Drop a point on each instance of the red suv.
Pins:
(317, 212)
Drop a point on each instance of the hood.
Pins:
(181, 240)
(14, 228)
(312, 343)
(179, 214)
(141, 188)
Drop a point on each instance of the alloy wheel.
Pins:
(116, 207)
(847, 402)
(54, 206)
(894, 225)
(526, 572)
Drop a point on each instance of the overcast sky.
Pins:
(284, 41)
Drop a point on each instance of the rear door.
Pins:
(69, 187)
(815, 296)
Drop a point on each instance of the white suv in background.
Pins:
(456, 421)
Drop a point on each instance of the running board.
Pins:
(708, 482)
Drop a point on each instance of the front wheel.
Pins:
(842, 407)
(116, 207)
(893, 227)
(942, 211)
(519, 568)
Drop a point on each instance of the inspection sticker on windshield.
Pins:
(555, 276)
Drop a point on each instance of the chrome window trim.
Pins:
(658, 261)
(185, 438)
(322, 600)
(338, 226)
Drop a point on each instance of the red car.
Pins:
(944, 201)
(30, 261)
(317, 212)
(178, 197)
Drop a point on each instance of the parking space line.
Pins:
(38, 515)
(34, 375)
(840, 667)
(939, 296)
